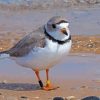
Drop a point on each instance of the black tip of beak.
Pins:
(64, 31)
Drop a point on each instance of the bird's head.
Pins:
(57, 27)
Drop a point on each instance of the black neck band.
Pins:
(55, 40)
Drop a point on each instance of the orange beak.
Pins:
(63, 30)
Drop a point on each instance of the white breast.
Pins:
(42, 58)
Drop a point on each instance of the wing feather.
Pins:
(25, 45)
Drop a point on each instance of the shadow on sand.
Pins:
(20, 86)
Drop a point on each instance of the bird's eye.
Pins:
(53, 25)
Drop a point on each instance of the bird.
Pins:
(43, 48)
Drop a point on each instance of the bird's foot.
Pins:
(49, 87)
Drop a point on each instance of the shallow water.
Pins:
(82, 22)
(81, 66)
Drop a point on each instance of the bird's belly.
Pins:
(42, 58)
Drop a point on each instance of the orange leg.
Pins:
(47, 74)
(48, 86)
(39, 80)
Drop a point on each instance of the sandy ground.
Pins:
(76, 89)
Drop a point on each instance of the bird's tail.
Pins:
(4, 55)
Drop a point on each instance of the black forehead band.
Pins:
(62, 21)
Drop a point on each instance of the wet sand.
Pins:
(78, 76)
(73, 88)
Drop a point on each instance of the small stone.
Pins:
(83, 87)
(4, 81)
(24, 98)
(90, 45)
(90, 40)
(91, 98)
(70, 98)
(58, 98)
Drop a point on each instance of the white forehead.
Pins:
(63, 25)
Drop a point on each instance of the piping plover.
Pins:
(43, 48)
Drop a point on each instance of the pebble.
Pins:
(91, 98)
(24, 98)
(4, 82)
(70, 98)
(91, 45)
(58, 98)
(84, 87)
(74, 98)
